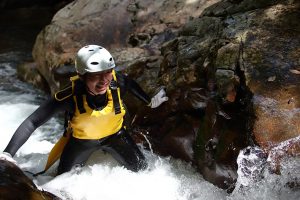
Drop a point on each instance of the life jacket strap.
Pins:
(114, 92)
(79, 97)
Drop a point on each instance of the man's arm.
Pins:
(36, 119)
(134, 88)
(127, 83)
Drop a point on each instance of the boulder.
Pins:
(16, 185)
(268, 60)
(117, 25)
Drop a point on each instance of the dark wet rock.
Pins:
(221, 136)
(228, 56)
(227, 83)
(16, 185)
(172, 128)
(203, 27)
(13, 4)
(28, 72)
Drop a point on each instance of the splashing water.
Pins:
(270, 185)
(147, 140)
(169, 180)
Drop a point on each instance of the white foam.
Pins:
(165, 178)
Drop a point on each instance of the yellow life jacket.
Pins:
(97, 124)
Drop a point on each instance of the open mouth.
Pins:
(102, 87)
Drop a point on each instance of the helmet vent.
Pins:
(91, 49)
(100, 47)
(94, 63)
(110, 59)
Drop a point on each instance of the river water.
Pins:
(102, 178)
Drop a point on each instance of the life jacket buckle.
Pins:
(113, 85)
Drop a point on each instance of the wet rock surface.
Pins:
(14, 184)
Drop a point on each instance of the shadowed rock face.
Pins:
(13, 4)
(194, 127)
(14, 184)
(246, 66)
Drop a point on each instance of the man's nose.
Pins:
(102, 79)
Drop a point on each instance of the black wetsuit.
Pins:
(76, 152)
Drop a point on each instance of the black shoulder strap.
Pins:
(114, 92)
(78, 91)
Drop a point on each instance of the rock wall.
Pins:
(132, 31)
(269, 46)
(16, 185)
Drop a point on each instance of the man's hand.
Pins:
(6, 156)
(159, 98)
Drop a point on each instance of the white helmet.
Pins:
(93, 58)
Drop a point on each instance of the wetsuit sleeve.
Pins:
(36, 119)
(127, 84)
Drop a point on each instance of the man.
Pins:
(94, 114)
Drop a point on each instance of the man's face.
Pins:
(98, 82)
